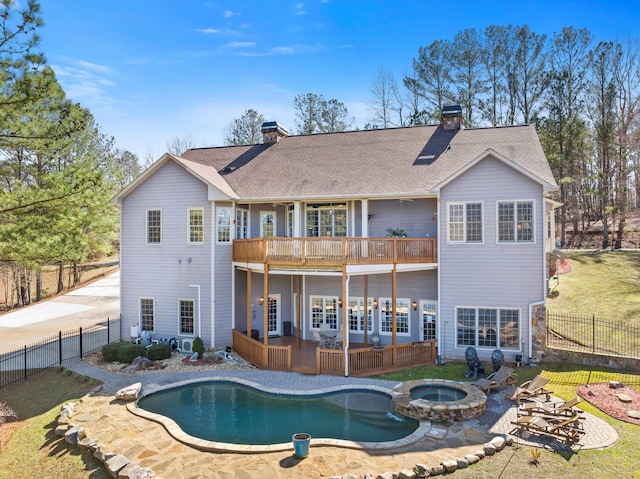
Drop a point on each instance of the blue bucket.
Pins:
(301, 443)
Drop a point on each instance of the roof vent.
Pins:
(273, 132)
(452, 117)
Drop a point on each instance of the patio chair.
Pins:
(324, 342)
(532, 389)
(568, 428)
(502, 377)
(558, 409)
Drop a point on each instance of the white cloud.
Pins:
(241, 44)
(208, 31)
(229, 14)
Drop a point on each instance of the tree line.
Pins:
(583, 97)
(58, 170)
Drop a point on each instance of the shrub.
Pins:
(159, 351)
(128, 352)
(110, 351)
(198, 346)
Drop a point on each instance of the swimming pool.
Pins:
(240, 416)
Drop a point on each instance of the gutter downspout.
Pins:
(345, 304)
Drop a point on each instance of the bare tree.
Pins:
(178, 145)
(532, 75)
(466, 60)
(246, 130)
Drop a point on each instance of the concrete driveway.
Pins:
(81, 307)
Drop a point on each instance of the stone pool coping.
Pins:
(472, 406)
(425, 427)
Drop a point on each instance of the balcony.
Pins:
(334, 252)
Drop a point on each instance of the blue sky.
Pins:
(152, 70)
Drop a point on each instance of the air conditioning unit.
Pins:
(187, 345)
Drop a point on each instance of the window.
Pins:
(290, 217)
(515, 222)
(326, 220)
(242, 223)
(402, 316)
(324, 312)
(356, 314)
(154, 226)
(465, 222)
(223, 225)
(196, 226)
(267, 224)
(490, 328)
(429, 312)
(187, 322)
(146, 314)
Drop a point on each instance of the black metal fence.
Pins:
(56, 350)
(593, 335)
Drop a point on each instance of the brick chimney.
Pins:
(452, 117)
(272, 132)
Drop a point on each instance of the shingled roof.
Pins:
(410, 161)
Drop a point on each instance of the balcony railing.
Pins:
(334, 251)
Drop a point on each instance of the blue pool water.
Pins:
(437, 393)
(237, 414)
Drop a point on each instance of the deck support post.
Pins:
(265, 304)
(365, 281)
(394, 319)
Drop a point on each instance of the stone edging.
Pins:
(121, 467)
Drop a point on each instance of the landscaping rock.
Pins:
(472, 458)
(387, 475)
(86, 442)
(129, 393)
(450, 466)
(74, 434)
(489, 449)
(615, 385)
(407, 474)
(134, 471)
(115, 464)
(61, 430)
(624, 398)
(634, 414)
(498, 442)
(480, 453)
(436, 470)
(102, 455)
(421, 470)
(462, 463)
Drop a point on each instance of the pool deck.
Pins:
(150, 445)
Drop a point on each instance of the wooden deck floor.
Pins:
(303, 358)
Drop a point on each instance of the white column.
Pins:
(365, 218)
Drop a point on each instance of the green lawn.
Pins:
(605, 284)
(33, 449)
(620, 461)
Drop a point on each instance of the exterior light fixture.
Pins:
(261, 300)
(415, 305)
(375, 304)
(340, 303)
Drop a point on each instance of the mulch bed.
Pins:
(604, 398)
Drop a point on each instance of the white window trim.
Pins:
(146, 230)
(278, 298)
(189, 210)
(231, 225)
(380, 317)
(515, 204)
(275, 223)
(421, 304)
(246, 212)
(360, 301)
(498, 339)
(324, 298)
(195, 318)
(140, 313)
(464, 224)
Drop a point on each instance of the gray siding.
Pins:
(490, 274)
(154, 271)
(415, 217)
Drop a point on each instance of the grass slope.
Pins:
(29, 448)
